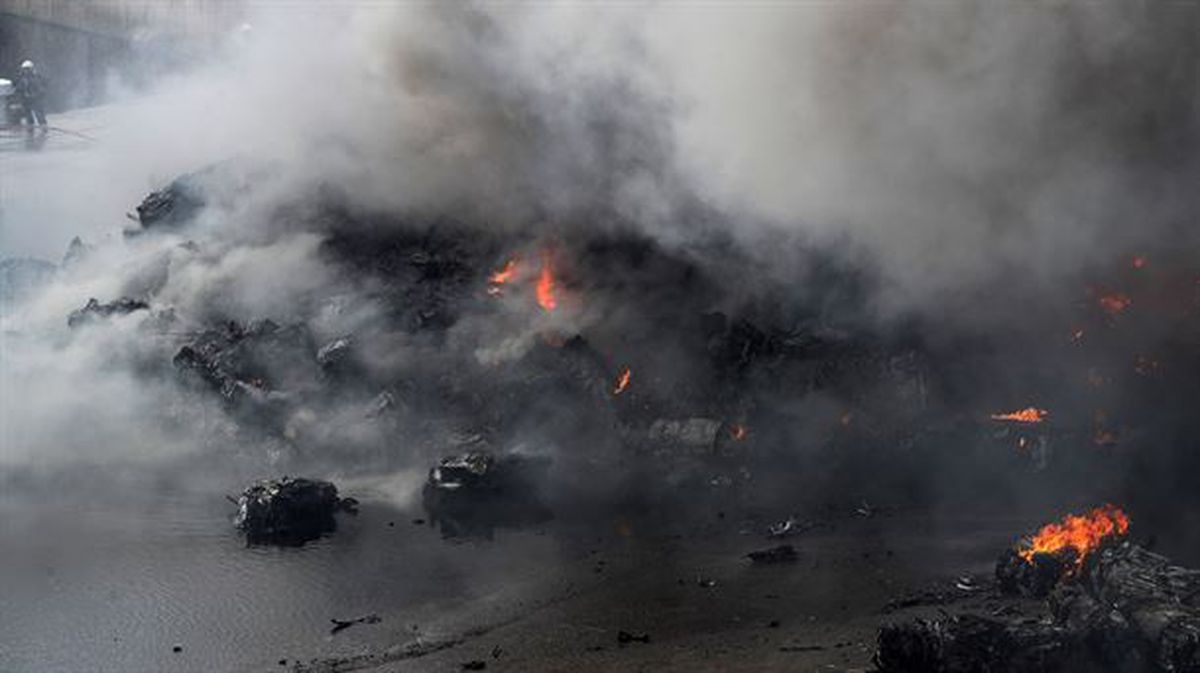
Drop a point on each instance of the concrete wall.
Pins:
(80, 45)
(125, 18)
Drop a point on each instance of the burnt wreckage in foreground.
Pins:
(1110, 605)
(289, 511)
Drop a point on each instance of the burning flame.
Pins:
(1083, 533)
(738, 432)
(502, 277)
(506, 274)
(1115, 303)
(545, 286)
(1028, 415)
(622, 381)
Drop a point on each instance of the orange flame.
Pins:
(506, 274)
(545, 286)
(502, 277)
(1083, 533)
(1028, 415)
(622, 381)
(738, 432)
(1115, 303)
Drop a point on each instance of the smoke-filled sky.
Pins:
(947, 142)
(951, 149)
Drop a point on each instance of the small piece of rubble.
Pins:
(626, 637)
(691, 435)
(342, 624)
(289, 511)
(788, 527)
(801, 648)
(381, 404)
(784, 553)
(335, 356)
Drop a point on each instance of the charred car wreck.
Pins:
(289, 511)
(473, 493)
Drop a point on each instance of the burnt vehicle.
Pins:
(289, 511)
(471, 494)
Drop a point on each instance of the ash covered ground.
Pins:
(620, 356)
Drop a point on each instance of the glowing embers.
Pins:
(738, 432)
(622, 383)
(1114, 303)
(1077, 535)
(1027, 415)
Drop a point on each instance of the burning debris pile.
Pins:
(1058, 550)
(561, 332)
(1112, 606)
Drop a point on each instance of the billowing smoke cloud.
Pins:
(947, 150)
(957, 144)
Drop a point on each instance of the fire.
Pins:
(1139, 261)
(1028, 415)
(738, 432)
(1083, 533)
(506, 274)
(622, 381)
(545, 286)
(1115, 302)
(502, 277)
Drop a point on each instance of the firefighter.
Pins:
(31, 89)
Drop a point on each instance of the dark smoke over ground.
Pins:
(827, 243)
